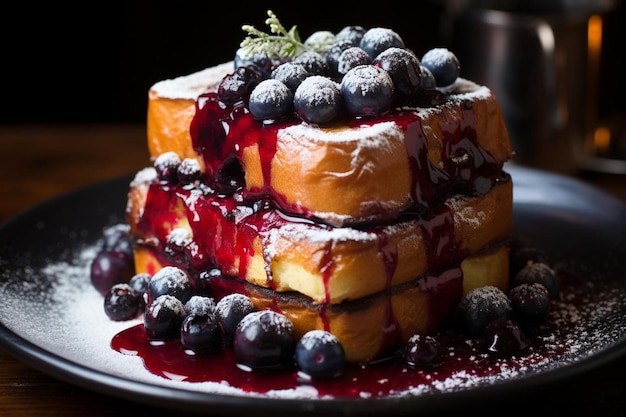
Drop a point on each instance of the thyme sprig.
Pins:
(279, 42)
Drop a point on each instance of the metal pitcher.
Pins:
(540, 62)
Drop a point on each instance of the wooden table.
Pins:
(41, 162)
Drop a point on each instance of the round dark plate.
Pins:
(573, 222)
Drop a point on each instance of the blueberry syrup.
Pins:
(464, 361)
(221, 133)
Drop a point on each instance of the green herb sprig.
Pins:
(279, 42)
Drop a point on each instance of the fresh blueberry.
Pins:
(121, 302)
(204, 283)
(531, 302)
(237, 86)
(350, 58)
(481, 306)
(163, 318)
(539, 272)
(422, 351)
(353, 34)
(166, 166)
(109, 268)
(443, 64)
(522, 254)
(367, 91)
(313, 62)
(271, 99)
(332, 57)
(320, 41)
(505, 336)
(176, 242)
(170, 280)
(403, 67)
(264, 340)
(116, 238)
(258, 62)
(376, 40)
(319, 354)
(290, 74)
(200, 305)
(230, 176)
(200, 333)
(428, 81)
(230, 310)
(317, 100)
(139, 283)
(188, 171)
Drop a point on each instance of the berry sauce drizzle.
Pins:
(464, 363)
(221, 133)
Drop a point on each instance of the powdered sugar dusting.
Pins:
(190, 86)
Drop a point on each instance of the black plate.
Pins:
(567, 218)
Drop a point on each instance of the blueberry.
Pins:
(258, 62)
(367, 91)
(200, 333)
(116, 238)
(290, 74)
(505, 336)
(376, 40)
(428, 79)
(332, 57)
(403, 67)
(313, 62)
(264, 340)
(109, 268)
(531, 302)
(270, 99)
(176, 242)
(320, 41)
(539, 272)
(230, 310)
(317, 100)
(422, 351)
(188, 171)
(121, 302)
(200, 305)
(204, 283)
(237, 86)
(139, 283)
(350, 58)
(230, 176)
(170, 280)
(163, 318)
(443, 64)
(481, 306)
(166, 166)
(522, 254)
(319, 354)
(353, 34)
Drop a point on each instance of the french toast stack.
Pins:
(370, 228)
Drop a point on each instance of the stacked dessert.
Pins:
(363, 198)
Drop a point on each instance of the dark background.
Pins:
(95, 61)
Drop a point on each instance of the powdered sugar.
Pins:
(189, 87)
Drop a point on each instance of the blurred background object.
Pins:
(555, 68)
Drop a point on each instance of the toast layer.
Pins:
(263, 246)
